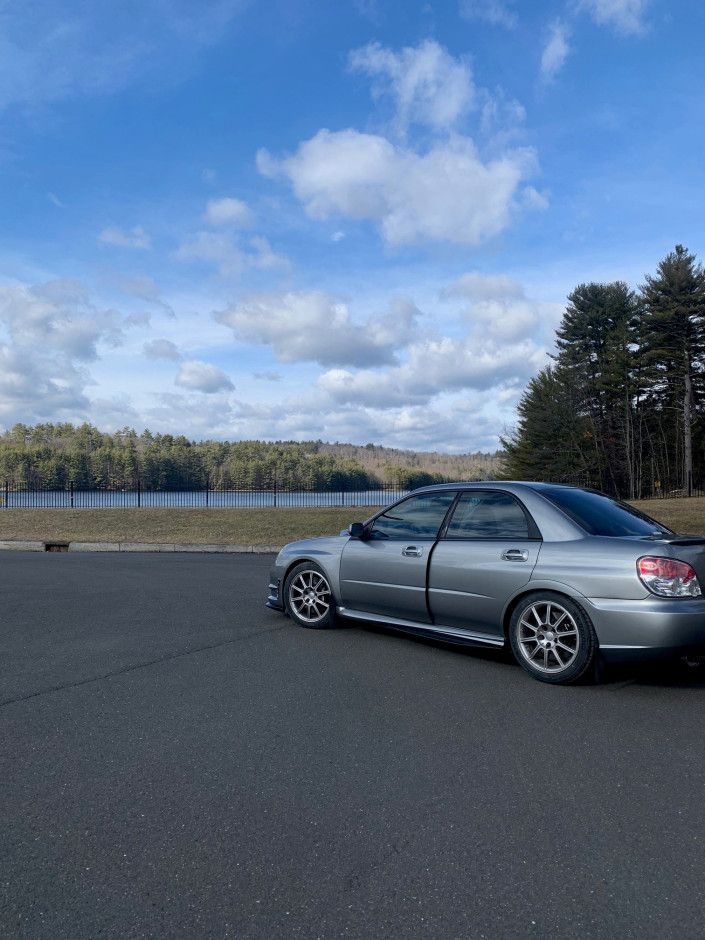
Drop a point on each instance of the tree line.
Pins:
(622, 405)
(56, 456)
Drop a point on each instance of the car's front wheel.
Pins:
(552, 638)
(308, 597)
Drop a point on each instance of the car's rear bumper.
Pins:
(648, 628)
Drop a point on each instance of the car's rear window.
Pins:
(600, 515)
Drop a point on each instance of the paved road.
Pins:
(178, 761)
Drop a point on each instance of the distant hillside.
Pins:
(383, 462)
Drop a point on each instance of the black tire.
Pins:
(552, 638)
(308, 598)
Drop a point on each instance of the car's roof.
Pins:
(497, 484)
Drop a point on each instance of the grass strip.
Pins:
(197, 526)
(244, 526)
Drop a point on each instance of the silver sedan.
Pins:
(563, 575)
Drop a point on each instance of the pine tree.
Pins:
(673, 339)
(552, 441)
(597, 358)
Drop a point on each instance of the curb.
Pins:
(59, 546)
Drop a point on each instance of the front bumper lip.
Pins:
(274, 600)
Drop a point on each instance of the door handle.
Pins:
(515, 554)
(415, 550)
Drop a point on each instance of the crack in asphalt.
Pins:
(136, 666)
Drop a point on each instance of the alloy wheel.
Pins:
(309, 596)
(548, 637)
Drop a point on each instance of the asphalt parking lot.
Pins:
(178, 761)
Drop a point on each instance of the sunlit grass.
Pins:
(679, 514)
(198, 526)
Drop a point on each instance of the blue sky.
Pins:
(354, 221)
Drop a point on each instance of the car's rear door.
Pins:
(485, 555)
(385, 572)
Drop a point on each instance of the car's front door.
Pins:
(385, 572)
(487, 553)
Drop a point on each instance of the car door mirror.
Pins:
(356, 530)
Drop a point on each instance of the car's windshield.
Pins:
(600, 515)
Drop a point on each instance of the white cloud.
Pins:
(496, 308)
(427, 84)
(555, 51)
(229, 212)
(495, 12)
(444, 188)
(264, 257)
(231, 260)
(161, 349)
(39, 386)
(456, 425)
(502, 117)
(137, 238)
(626, 16)
(202, 377)
(59, 316)
(448, 193)
(55, 201)
(303, 326)
(476, 286)
(435, 365)
(47, 333)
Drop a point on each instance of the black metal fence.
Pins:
(73, 496)
(76, 497)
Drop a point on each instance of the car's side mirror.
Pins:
(356, 530)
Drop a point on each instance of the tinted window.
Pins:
(601, 515)
(418, 517)
(488, 516)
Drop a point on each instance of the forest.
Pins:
(622, 405)
(56, 456)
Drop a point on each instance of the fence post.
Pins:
(275, 489)
(71, 487)
(690, 483)
(7, 494)
(207, 482)
(139, 493)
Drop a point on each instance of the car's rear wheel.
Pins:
(308, 597)
(552, 638)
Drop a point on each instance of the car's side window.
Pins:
(418, 517)
(486, 515)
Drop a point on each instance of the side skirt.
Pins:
(432, 631)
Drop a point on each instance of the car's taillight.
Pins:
(668, 577)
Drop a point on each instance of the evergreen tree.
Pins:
(552, 440)
(673, 339)
(597, 358)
